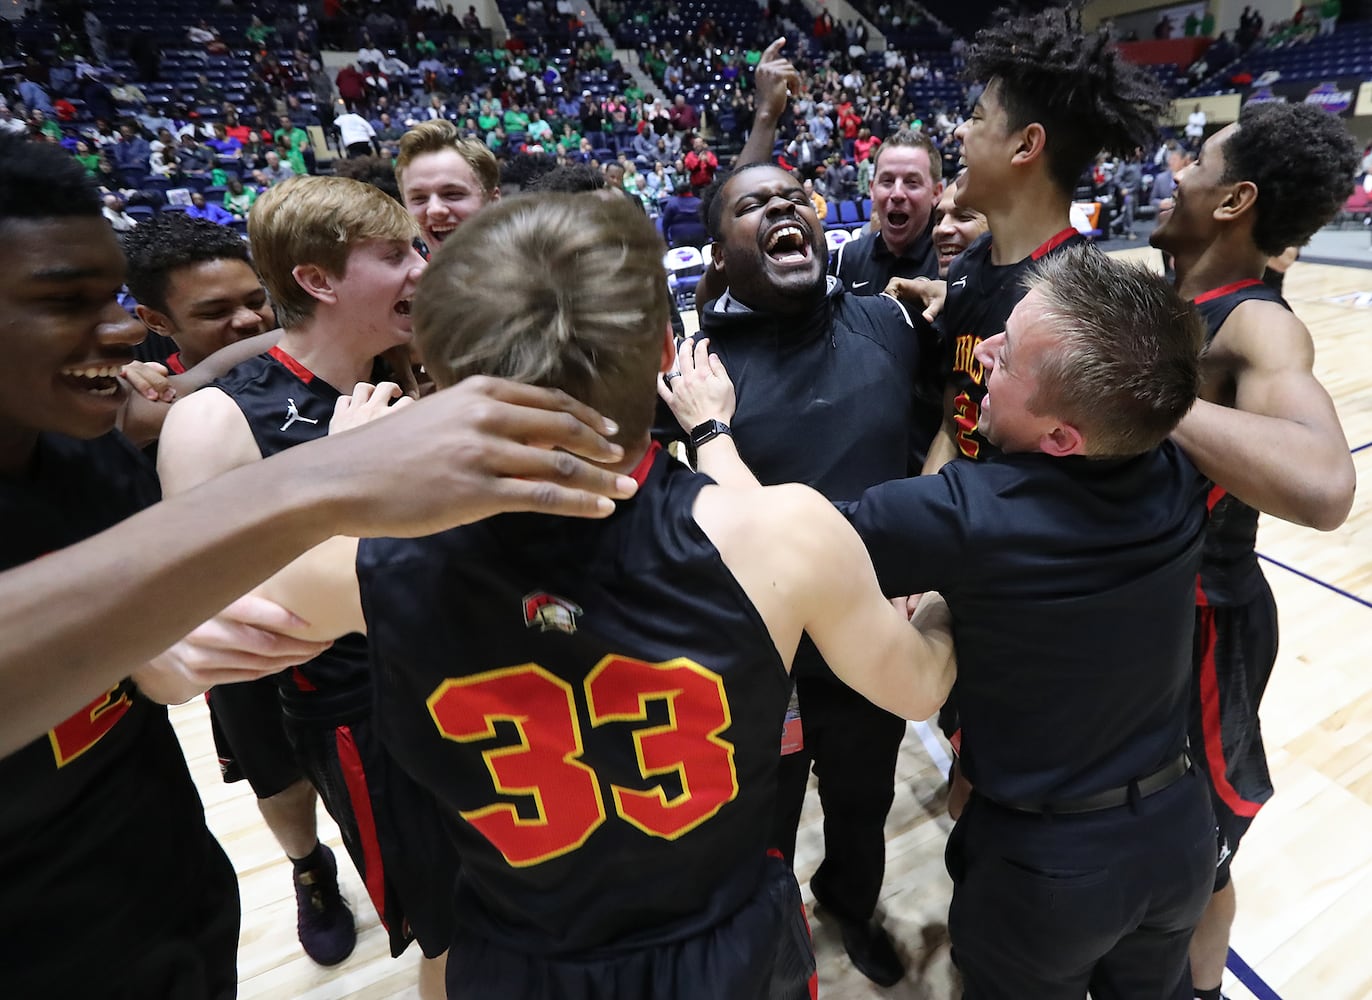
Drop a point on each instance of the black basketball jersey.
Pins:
(286, 404)
(981, 297)
(595, 704)
(1229, 565)
(102, 834)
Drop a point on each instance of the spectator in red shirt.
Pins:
(865, 144)
(352, 87)
(701, 164)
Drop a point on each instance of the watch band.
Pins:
(708, 431)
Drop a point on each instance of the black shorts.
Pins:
(1235, 650)
(391, 828)
(761, 952)
(250, 738)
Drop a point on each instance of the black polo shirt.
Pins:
(866, 264)
(1071, 582)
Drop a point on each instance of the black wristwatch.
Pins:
(708, 431)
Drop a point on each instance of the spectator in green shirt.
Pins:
(258, 32)
(238, 200)
(515, 119)
(88, 159)
(1329, 16)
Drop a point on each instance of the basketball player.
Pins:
(195, 287)
(342, 302)
(444, 179)
(110, 882)
(1054, 98)
(1265, 431)
(598, 711)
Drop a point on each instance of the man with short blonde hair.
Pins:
(338, 258)
(443, 178)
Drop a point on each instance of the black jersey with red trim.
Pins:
(1229, 566)
(102, 832)
(595, 704)
(174, 364)
(286, 404)
(980, 298)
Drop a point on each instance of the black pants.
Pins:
(1049, 907)
(853, 746)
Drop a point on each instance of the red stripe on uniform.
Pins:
(1236, 286)
(1053, 242)
(350, 761)
(1215, 495)
(1210, 722)
(645, 464)
(295, 367)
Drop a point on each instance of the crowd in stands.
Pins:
(206, 128)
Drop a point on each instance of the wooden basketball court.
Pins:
(1304, 875)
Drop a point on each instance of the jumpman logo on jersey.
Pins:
(293, 415)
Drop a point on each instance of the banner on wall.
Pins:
(1338, 96)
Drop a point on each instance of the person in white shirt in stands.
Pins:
(120, 221)
(1195, 127)
(355, 134)
(368, 54)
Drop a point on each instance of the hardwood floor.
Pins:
(1304, 874)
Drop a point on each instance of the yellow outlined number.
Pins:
(545, 764)
(72, 738)
(965, 419)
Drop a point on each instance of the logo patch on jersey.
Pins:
(293, 415)
(961, 282)
(548, 611)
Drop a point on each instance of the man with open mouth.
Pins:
(444, 179)
(110, 882)
(339, 261)
(825, 391)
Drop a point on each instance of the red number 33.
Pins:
(545, 764)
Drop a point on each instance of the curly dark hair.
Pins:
(523, 170)
(1076, 85)
(378, 171)
(39, 180)
(574, 178)
(168, 242)
(1302, 161)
